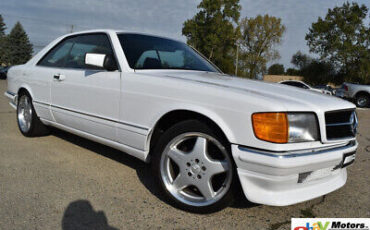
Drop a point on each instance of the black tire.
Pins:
(362, 100)
(37, 128)
(165, 139)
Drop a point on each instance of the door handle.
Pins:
(59, 77)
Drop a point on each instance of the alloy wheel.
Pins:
(196, 169)
(24, 113)
(362, 101)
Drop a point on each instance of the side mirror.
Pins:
(100, 60)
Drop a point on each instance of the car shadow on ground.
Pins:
(142, 169)
(80, 215)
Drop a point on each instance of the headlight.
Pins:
(285, 127)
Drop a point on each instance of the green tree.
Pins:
(2, 40)
(18, 45)
(292, 72)
(314, 71)
(318, 72)
(212, 32)
(276, 69)
(258, 37)
(301, 60)
(342, 38)
(2, 26)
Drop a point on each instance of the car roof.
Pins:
(292, 81)
(117, 32)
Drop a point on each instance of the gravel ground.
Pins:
(62, 181)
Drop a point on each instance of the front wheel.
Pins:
(194, 168)
(28, 122)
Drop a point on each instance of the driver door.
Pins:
(83, 97)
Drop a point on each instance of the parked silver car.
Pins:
(360, 94)
(339, 92)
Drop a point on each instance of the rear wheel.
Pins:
(362, 100)
(194, 168)
(28, 122)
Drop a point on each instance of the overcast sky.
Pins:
(45, 20)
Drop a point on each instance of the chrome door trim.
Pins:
(94, 116)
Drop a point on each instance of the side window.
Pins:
(288, 83)
(57, 56)
(295, 84)
(93, 43)
(300, 85)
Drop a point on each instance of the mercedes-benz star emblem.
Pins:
(354, 123)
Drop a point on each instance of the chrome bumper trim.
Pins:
(9, 93)
(12, 99)
(291, 154)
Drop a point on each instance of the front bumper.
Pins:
(12, 99)
(294, 177)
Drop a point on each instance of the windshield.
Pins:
(149, 52)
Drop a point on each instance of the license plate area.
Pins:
(314, 175)
(348, 158)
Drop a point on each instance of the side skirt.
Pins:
(142, 155)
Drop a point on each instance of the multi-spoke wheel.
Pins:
(194, 167)
(28, 122)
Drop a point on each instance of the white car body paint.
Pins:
(121, 109)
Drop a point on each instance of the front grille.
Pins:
(340, 124)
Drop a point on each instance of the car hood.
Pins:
(292, 98)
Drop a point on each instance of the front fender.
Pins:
(210, 114)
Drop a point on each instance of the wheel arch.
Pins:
(25, 89)
(173, 117)
(361, 93)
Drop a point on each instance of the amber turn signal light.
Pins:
(272, 127)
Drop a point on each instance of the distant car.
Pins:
(327, 89)
(360, 94)
(3, 72)
(339, 92)
(301, 84)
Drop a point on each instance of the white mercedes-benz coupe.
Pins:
(206, 134)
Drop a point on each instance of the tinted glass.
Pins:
(149, 52)
(94, 43)
(296, 84)
(301, 85)
(57, 56)
(288, 83)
